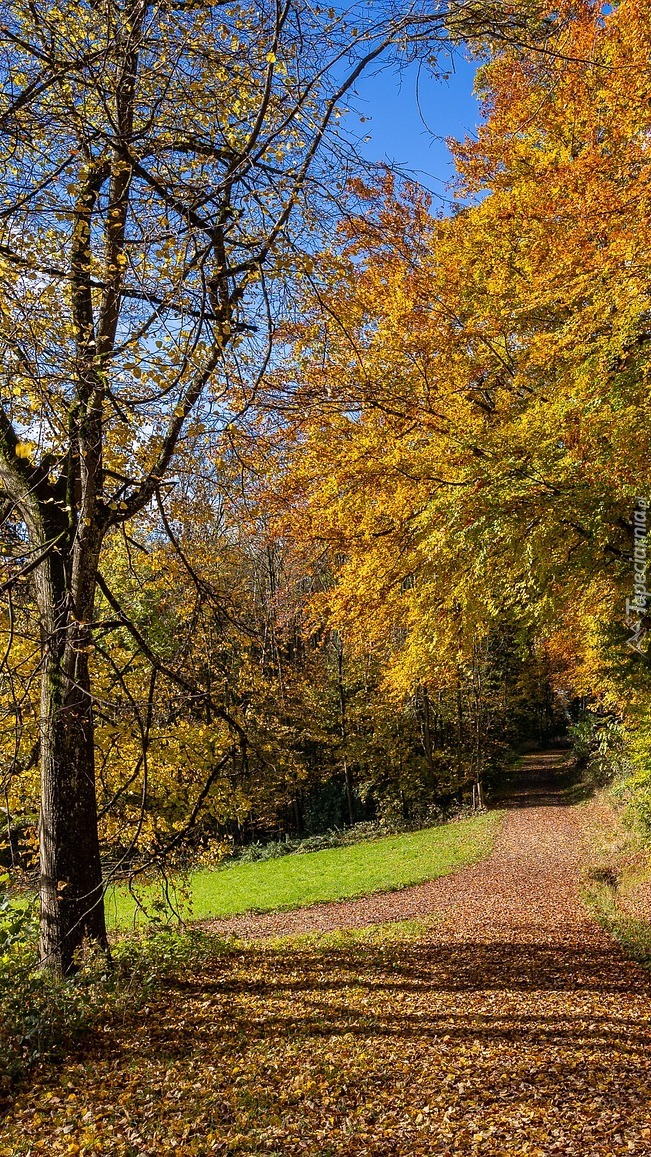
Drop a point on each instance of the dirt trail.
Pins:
(525, 891)
(513, 1025)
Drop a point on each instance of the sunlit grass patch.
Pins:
(633, 933)
(386, 864)
(370, 936)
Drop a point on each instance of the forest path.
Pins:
(526, 889)
(510, 1024)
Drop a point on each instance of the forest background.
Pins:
(393, 536)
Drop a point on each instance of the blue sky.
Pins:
(412, 113)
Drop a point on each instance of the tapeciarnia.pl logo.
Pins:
(636, 607)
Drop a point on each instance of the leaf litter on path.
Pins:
(502, 1020)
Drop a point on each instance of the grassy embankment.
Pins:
(292, 881)
(618, 877)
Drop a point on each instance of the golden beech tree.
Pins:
(155, 156)
(472, 402)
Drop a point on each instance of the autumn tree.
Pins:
(162, 163)
(472, 393)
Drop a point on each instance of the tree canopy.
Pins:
(313, 501)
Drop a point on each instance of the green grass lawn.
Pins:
(333, 874)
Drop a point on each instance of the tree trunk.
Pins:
(427, 738)
(71, 888)
(350, 793)
(348, 776)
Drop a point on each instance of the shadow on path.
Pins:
(513, 1025)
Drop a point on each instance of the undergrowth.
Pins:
(633, 934)
(344, 837)
(42, 1015)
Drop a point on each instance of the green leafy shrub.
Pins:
(39, 1013)
(42, 1016)
(619, 755)
(602, 748)
(633, 788)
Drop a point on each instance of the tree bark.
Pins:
(71, 887)
(427, 738)
(348, 776)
